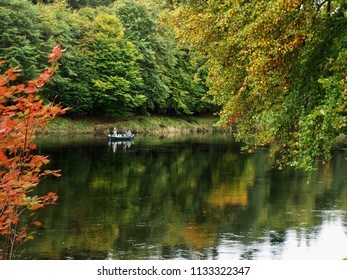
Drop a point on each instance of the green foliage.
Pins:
(118, 83)
(89, 3)
(72, 86)
(77, 4)
(277, 68)
(167, 70)
(21, 37)
(326, 117)
(120, 60)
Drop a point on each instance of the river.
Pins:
(187, 197)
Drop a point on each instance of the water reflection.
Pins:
(188, 197)
(120, 145)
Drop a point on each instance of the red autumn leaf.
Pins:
(56, 54)
(31, 87)
(37, 223)
(12, 74)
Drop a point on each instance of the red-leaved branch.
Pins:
(22, 117)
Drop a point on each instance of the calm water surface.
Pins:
(187, 197)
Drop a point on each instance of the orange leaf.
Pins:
(37, 223)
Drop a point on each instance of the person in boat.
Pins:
(114, 131)
(124, 130)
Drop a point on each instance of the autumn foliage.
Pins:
(22, 117)
(277, 68)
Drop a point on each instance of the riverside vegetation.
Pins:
(275, 69)
(137, 124)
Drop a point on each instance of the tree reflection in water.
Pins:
(190, 197)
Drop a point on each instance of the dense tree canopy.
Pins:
(120, 60)
(117, 83)
(167, 70)
(278, 69)
(21, 43)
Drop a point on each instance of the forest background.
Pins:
(120, 59)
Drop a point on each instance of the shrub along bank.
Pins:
(137, 124)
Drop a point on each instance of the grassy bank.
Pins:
(137, 124)
(144, 125)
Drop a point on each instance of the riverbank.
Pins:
(137, 124)
(152, 125)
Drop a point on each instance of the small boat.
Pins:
(120, 138)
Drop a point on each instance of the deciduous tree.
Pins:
(21, 37)
(277, 68)
(22, 116)
(117, 83)
(168, 70)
